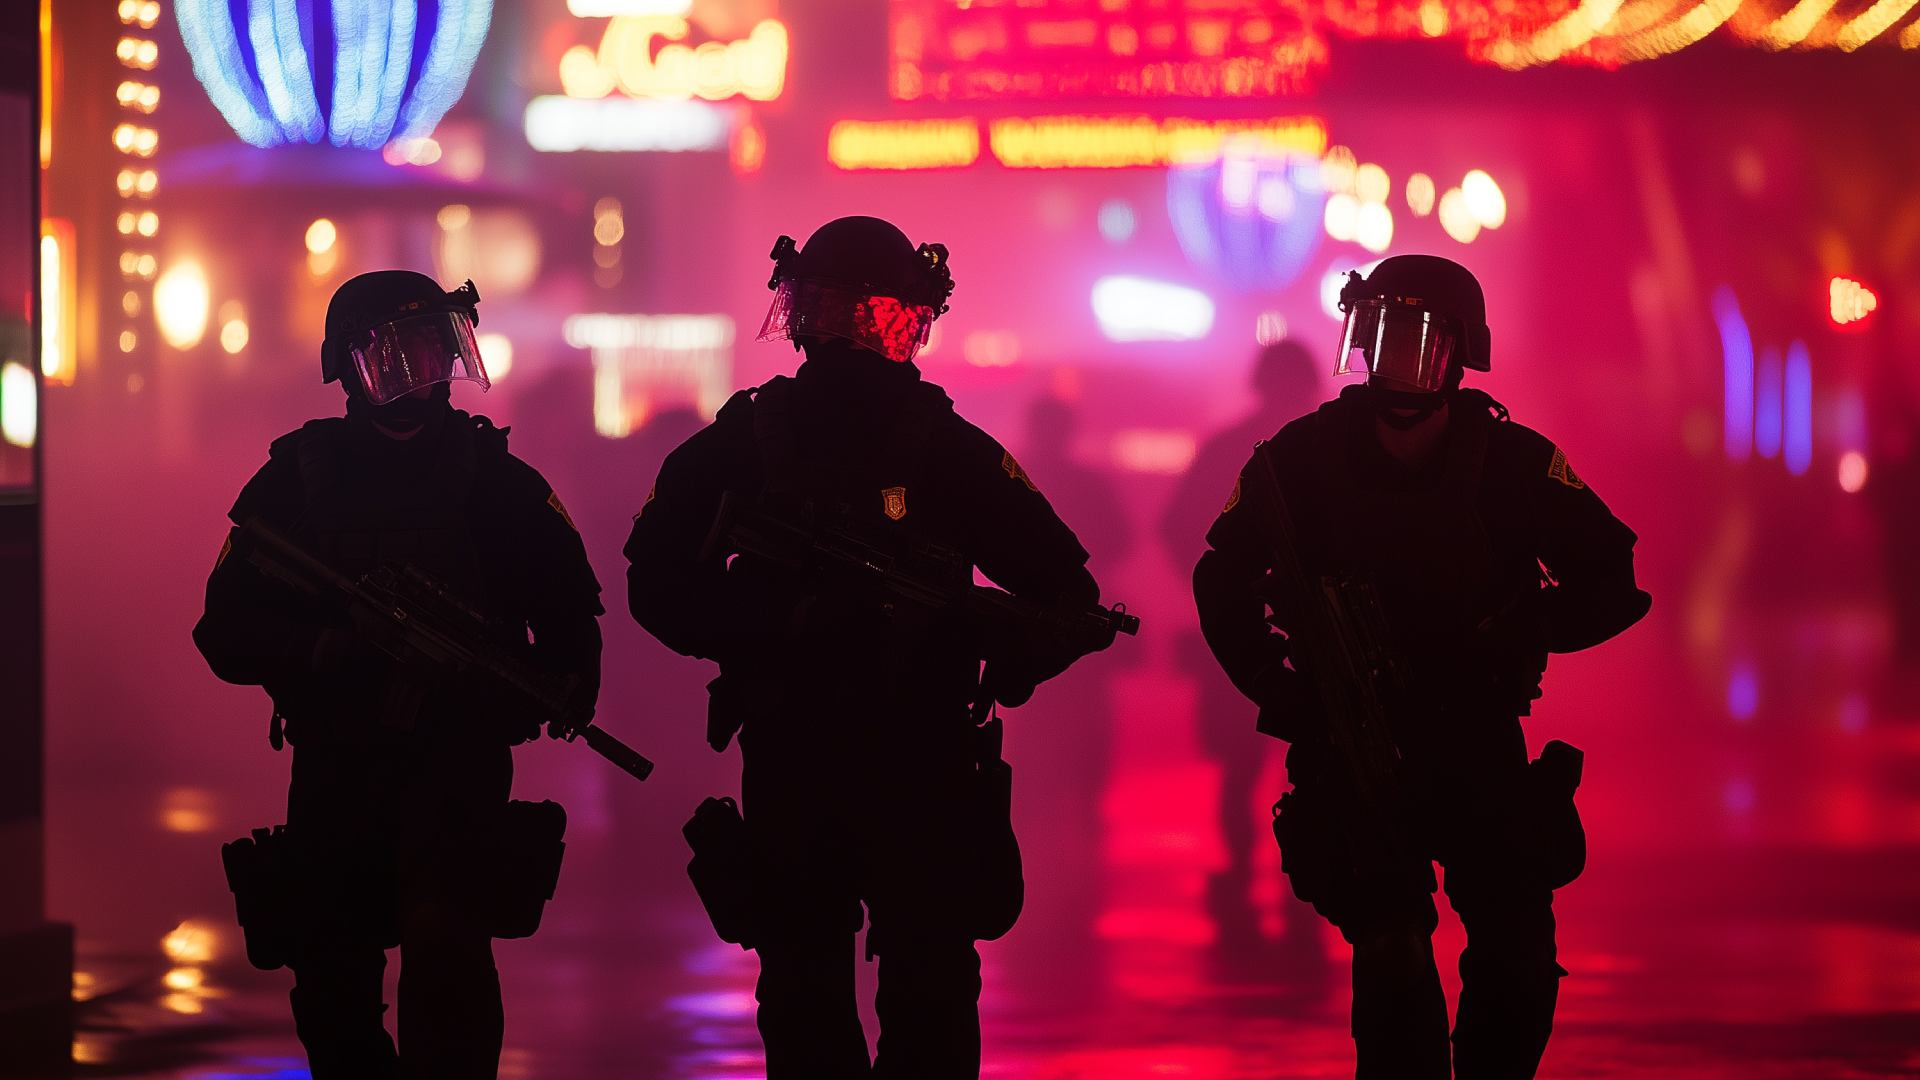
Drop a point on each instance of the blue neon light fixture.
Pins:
(385, 69)
(1252, 220)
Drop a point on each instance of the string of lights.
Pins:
(136, 141)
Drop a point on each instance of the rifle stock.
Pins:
(423, 625)
(926, 575)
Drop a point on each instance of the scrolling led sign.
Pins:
(971, 50)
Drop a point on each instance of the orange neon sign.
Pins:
(1065, 142)
(753, 67)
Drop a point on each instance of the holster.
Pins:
(526, 862)
(260, 872)
(1557, 840)
(720, 869)
(999, 881)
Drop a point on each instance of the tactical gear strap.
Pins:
(773, 432)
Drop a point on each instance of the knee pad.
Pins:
(1511, 961)
(1404, 948)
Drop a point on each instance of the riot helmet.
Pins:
(859, 279)
(1414, 325)
(393, 332)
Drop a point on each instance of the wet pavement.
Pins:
(1751, 907)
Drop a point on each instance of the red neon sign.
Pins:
(967, 50)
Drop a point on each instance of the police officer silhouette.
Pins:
(865, 783)
(399, 788)
(1486, 552)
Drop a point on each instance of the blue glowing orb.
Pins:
(396, 66)
(1253, 219)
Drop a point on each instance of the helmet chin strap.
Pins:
(1404, 410)
(404, 417)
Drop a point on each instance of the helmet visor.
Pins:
(1399, 344)
(395, 359)
(887, 325)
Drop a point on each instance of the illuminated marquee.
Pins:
(1119, 142)
(651, 84)
(903, 144)
(1067, 142)
(754, 67)
(963, 50)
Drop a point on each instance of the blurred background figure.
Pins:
(1284, 387)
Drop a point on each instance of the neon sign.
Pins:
(753, 67)
(1068, 142)
(903, 144)
(961, 50)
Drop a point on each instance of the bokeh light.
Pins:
(180, 304)
(321, 236)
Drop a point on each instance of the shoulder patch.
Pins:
(1563, 472)
(1012, 468)
(1233, 499)
(893, 502)
(553, 500)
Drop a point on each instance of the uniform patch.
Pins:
(893, 500)
(1013, 469)
(226, 549)
(553, 500)
(1563, 472)
(1233, 500)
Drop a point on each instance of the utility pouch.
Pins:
(530, 847)
(1558, 840)
(999, 881)
(719, 869)
(260, 873)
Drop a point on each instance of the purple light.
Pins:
(1798, 400)
(1743, 692)
(1736, 348)
(1768, 404)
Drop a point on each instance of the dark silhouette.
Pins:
(399, 828)
(1284, 387)
(818, 541)
(1396, 539)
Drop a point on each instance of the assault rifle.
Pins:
(421, 625)
(1339, 639)
(908, 569)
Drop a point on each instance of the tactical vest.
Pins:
(359, 515)
(889, 490)
(1423, 543)
(878, 487)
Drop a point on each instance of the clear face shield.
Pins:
(395, 359)
(1401, 346)
(887, 325)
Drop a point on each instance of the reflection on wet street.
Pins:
(1751, 909)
